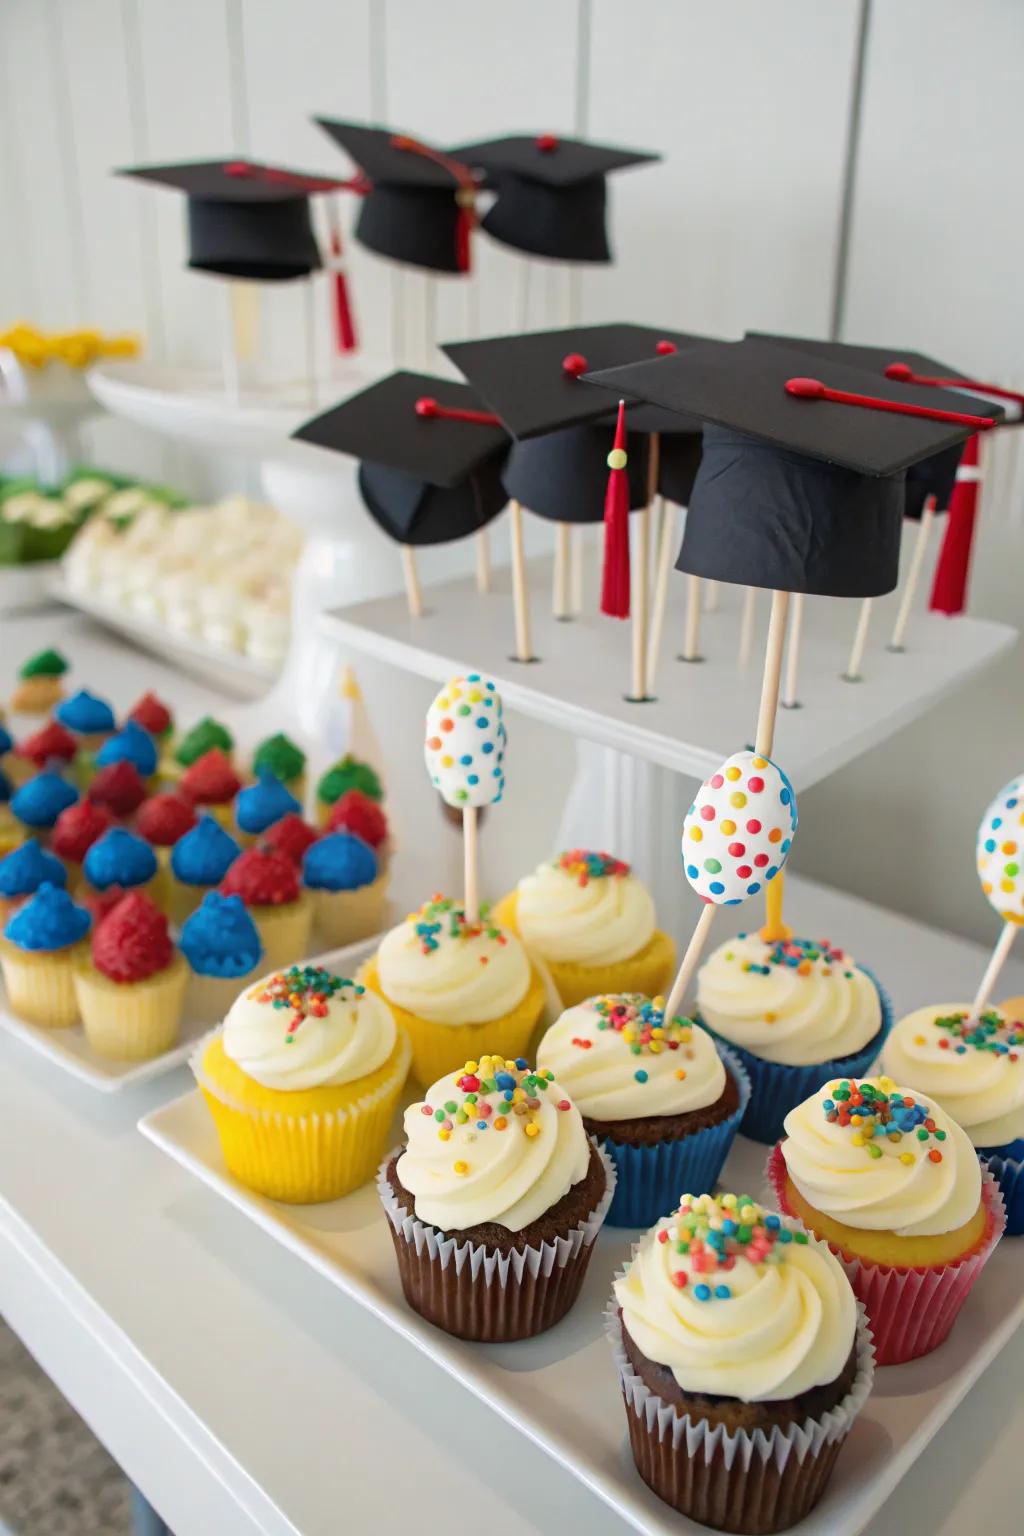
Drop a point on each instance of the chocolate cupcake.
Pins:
(495, 1201)
(658, 1094)
(743, 1359)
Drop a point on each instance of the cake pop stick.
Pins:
(691, 638)
(576, 570)
(711, 595)
(747, 626)
(230, 365)
(641, 575)
(860, 641)
(663, 571)
(483, 561)
(465, 754)
(789, 694)
(413, 590)
(924, 529)
(560, 600)
(1000, 858)
(764, 737)
(520, 596)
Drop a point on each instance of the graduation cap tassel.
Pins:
(952, 570)
(615, 576)
(344, 321)
(905, 375)
(814, 389)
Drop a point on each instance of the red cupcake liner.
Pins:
(911, 1311)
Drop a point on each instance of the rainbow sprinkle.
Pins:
(640, 1022)
(495, 1094)
(583, 866)
(713, 1231)
(441, 917)
(306, 990)
(800, 955)
(883, 1114)
(988, 1033)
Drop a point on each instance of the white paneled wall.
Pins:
(750, 105)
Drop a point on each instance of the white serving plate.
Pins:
(71, 1051)
(228, 670)
(561, 1390)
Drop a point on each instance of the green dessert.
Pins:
(203, 738)
(279, 755)
(348, 773)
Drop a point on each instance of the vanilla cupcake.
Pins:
(743, 1361)
(592, 923)
(302, 1082)
(973, 1068)
(663, 1101)
(131, 991)
(894, 1186)
(456, 987)
(42, 944)
(796, 1013)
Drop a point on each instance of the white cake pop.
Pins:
(465, 742)
(1001, 851)
(738, 831)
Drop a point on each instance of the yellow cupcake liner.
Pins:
(439, 1048)
(345, 917)
(134, 1020)
(649, 971)
(283, 1148)
(284, 932)
(40, 984)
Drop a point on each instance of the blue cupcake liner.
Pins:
(776, 1089)
(651, 1179)
(1006, 1165)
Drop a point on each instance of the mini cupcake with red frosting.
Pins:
(119, 788)
(131, 990)
(163, 820)
(155, 717)
(358, 814)
(290, 836)
(74, 832)
(211, 784)
(268, 883)
(53, 744)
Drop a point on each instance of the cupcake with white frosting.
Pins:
(662, 1099)
(894, 1186)
(796, 1012)
(494, 1201)
(456, 988)
(592, 923)
(743, 1360)
(973, 1068)
(302, 1081)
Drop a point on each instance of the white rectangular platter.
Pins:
(560, 1390)
(69, 1050)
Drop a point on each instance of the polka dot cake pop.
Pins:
(1001, 852)
(465, 742)
(738, 832)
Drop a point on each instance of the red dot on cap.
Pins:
(546, 142)
(664, 348)
(426, 406)
(574, 364)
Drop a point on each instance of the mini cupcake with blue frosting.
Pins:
(660, 1095)
(260, 805)
(131, 744)
(42, 944)
(117, 862)
(88, 717)
(797, 1013)
(199, 862)
(349, 889)
(23, 871)
(222, 945)
(39, 801)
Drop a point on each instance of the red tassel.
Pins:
(344, 321)
(615, 578)
(953, 568)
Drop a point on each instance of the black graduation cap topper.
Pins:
(800, 487)
(431, 458)
(933, 476)
(245, 219)
(418, 202)
(551, 192)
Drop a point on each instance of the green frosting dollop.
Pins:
(47, 663)
(279, 755)
(348, 773)
(202, 738)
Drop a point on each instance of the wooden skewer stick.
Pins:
(690, 961)
(860, 641)
(642, 573)
(413, 590)
(483, 561)
(230, 365)
(561, 605)
(309, 329)
(520, 598)
(663, 570)
(691, 638)
(747, 626)
(576, 571)
(1003, 946)
(789, 692)
(924, 529)
(470, 864)
(711, 595)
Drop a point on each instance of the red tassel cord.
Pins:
(428, 407)
(953, 568)
(814, 389)
(907, 375)
(344, 319)
(615, 577)
(465, 194)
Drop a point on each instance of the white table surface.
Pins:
(243, 1395)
